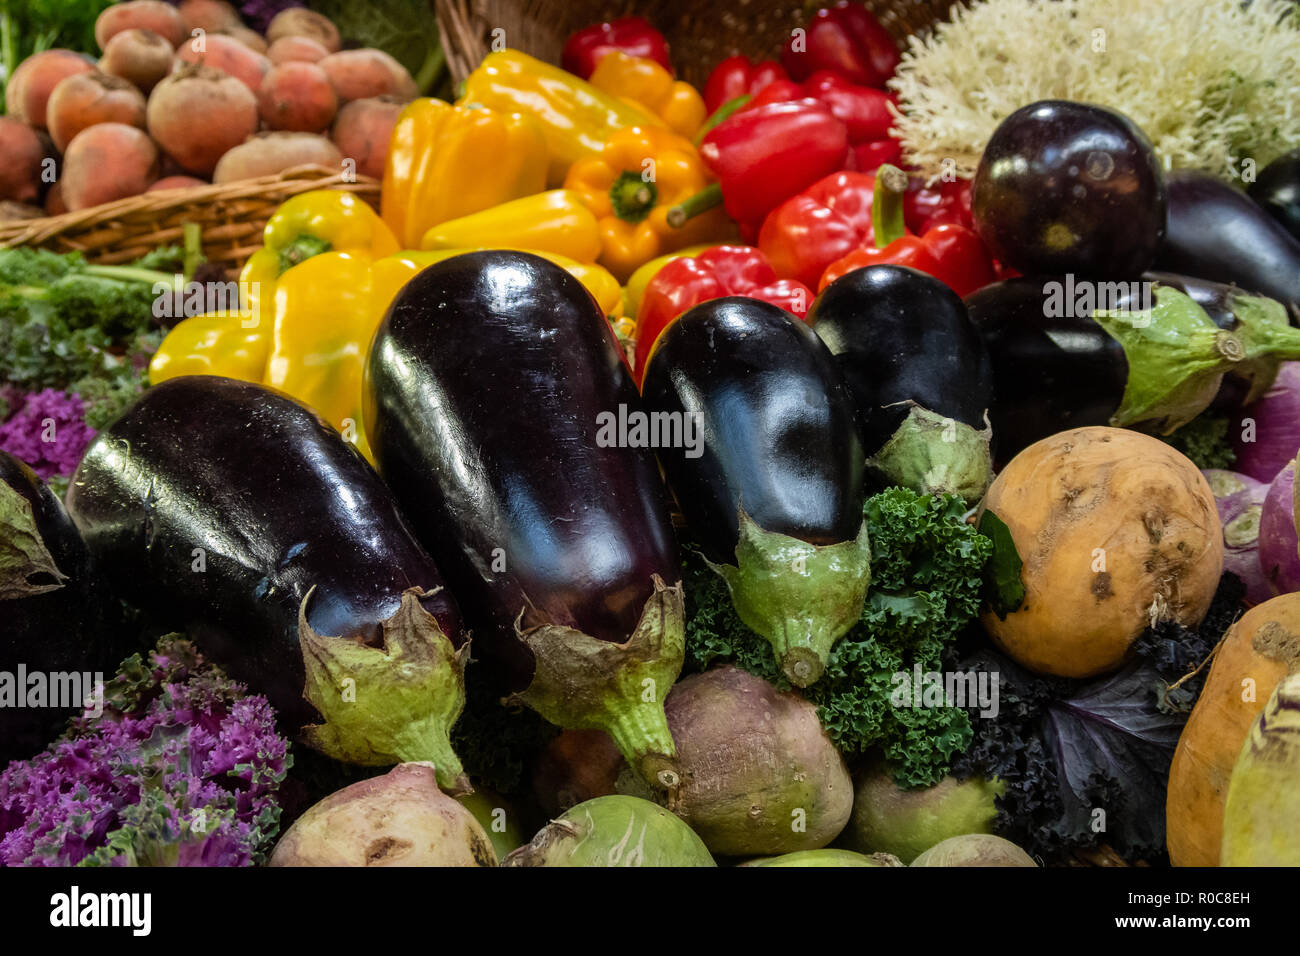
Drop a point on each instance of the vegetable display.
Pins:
(614, 831)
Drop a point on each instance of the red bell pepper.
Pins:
(631, 35)
(844, 38)
(926, 206)
(765, 155)
(825, 222)
(739, 76)
(951, 253)
(686, 282)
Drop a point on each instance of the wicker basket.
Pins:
(700, 32)
(231, 215)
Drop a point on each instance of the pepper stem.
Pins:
(632, 196)
(300, 250)
(710, 197)
(721, 114)
(887, 205)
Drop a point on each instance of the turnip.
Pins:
(140, 57)
(887, 818)
(398, 819)
(497, 818)
(826, 858)
(1266, 434)
(614, 831)
(1117, 532)
(974, 849)
(1278, 558)
(1240, 500)
(198, 114)
(1259, 818)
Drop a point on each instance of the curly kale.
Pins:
(177, 768)
(1205, 441)
(495, 743)
(926, 578)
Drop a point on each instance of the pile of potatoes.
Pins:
(187, 94)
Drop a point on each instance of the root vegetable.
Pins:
(826, 858)
(887, 818)
(106, 162)
(268, 153)
(1240, 499)
(1279, 559)
(1117, 531)
(614, 831)
(211, 16)
(576, 766)
(22, 155)
(1266, 434)
(54, 204)
(295, 49)
(227, 55)
(759, 774)
(1255, 655)
(298, 97)
(162, 18)
(176, 182)
(300, 22)
(362, 130)
(141, 57)
(1259, 816)
(87, 99)
(29, 89)
(359, 74)
(975, 849)
(398, 819)
(198, 114)
(496, 817)
(249, 38)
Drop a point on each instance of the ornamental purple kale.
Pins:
(179, 769)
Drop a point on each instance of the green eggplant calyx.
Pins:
(1176, 357)
(633, 196)
(390, 704)
(584, 683)
(932, 454)
(800, 597)
(23, 554)
(1267, 339)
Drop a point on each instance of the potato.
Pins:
(297, 97)
(362, 130)
(141, 57)
(21, 157)
(85, 99)
(162, 18)
(176, 182)
(1256, 653)
(198, 114)
(358, 74)
(29, 89)
(1117, 531)
(300, 22)
(290, 49)
(227, 55)
(106, 162)
(211, 16)
(268, 153)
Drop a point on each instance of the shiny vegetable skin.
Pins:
(53, 625)
(1277, 190)
(220, 506)
(487, 383)
(775, 484)
(915, 364)
(1217, 232)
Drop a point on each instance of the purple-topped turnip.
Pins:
(1240, 499)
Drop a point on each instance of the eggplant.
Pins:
(56, 617)
(1143, 353)
(1277, 191)
(1067, 187)
(235, 512)
(773, 489)
(490, 385)
(1217, 232)
(920, 375)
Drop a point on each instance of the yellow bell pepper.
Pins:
(448, 161)
(555, 221)
(218, 343)
(634, 288)
(646, 84)
(394, 272)
(575, 117)
(631, 185)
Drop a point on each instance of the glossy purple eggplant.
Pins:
(1277, 191)
(1217, 232)
(769, 470)
(56, 618)
(235, 512)
(920, 376)
(491, 385)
